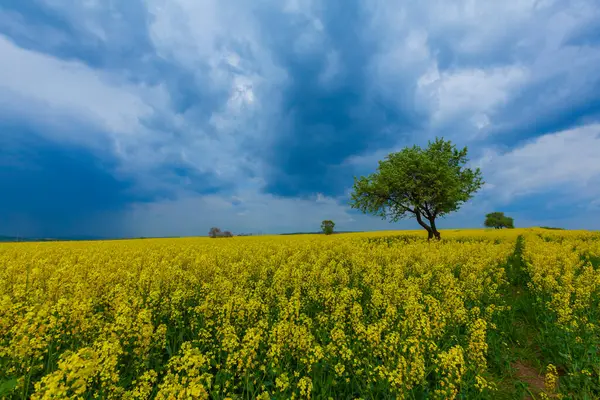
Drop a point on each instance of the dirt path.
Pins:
(531, 377)
(524, 352)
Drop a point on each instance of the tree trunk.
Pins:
(430, 232)
(434, 229)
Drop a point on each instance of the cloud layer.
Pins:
(153, 117)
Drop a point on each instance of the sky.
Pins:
(127, 118)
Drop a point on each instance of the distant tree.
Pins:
(422, 183)
(498, 220)
(493, 220)
(214, 232)
(327, 227)
(509, 223)
(217, 233)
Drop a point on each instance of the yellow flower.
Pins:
(551, 379)
(217, 317)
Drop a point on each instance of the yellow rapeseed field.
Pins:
(369, 315)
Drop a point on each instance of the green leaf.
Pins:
(8, 386)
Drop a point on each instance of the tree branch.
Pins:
(402, 207)
(428, 212)
(421, 222)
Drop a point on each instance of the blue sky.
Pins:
(160, 118)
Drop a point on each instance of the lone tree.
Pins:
(498, 220)
(421, 183)
(218, 233)
(214, 232)
(327, 227)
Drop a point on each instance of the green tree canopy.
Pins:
(498, 220)
(421, 183)
(327, 227)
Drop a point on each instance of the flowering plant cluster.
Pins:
(381, 315)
